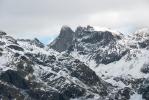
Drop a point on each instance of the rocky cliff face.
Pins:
(102, 46)
(118, 59)
(64, 40)
(84, 64)
(29, 71)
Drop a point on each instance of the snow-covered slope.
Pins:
(31, 71)
(120, 60)
(81, 65)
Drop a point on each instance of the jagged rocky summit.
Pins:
(84, 64)
(119, 59)
(28, 71)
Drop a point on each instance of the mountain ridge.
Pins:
(90, 64)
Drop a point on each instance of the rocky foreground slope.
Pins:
(84, 65)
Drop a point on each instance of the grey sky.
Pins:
(44, 18)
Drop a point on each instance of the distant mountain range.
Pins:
(84, 64)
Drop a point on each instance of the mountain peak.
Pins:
(64, 40)
(65, 28)
(3, 33)
(142, 32)
(87, 28)
(34, 41)
(67, 38)
(92, 65)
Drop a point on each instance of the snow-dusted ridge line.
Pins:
(107, 68)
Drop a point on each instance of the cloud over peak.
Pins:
(42, 18)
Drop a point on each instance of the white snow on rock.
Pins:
(129, 66)
(114, 32)
(136, 97)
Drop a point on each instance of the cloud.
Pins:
(44, 18)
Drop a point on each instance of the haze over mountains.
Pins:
(43, 19)
(84, 64)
